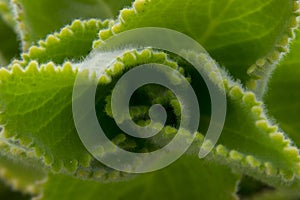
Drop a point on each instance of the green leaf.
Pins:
(273, 160)
(282, 99)
(38, 18)
(72, 43)
(46, 90)
(187, 178)
(242, 36)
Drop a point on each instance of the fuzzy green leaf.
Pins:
(72, 43)
(242, 36)
(188, 178)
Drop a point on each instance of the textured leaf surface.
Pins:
(38, 18)
(188, 178)
(52, 91)
(236, 33)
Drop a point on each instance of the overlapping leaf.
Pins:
(38, 18)
(283, 97)
(72, 43)
(236, 33)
